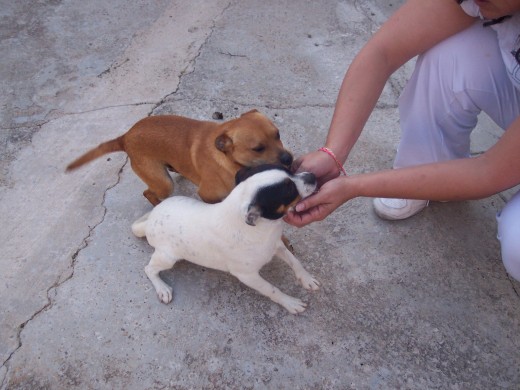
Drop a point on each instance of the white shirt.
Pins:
(508, 34)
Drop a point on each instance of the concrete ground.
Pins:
(419, 304)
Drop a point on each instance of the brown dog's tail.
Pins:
(115, 145)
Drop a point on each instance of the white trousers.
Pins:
(451, 84)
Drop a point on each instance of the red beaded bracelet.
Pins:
(331, 154)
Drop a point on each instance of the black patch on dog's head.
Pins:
(272, 202)
(246, 172)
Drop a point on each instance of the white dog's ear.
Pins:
(252, 215)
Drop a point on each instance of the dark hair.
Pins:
(515, 53)
(492, 21)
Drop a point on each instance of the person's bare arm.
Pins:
(417, 26)
(472, 178)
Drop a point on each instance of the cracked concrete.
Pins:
(420, 304)
(58, 211)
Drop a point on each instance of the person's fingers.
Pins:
(296, 164)
(309, 202)
(317, 206)
(302, 219)
(292, 218)
(295, 219)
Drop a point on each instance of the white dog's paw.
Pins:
(309, 282)
(165, 293)
(293, 305)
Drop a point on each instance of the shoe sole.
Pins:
(381, 214)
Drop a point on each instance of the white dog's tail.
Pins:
(139, 226)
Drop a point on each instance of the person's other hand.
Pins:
(319, 205)
(319, 163)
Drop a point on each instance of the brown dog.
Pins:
(207, 153)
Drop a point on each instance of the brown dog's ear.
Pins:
(250, 112)
(223, 143)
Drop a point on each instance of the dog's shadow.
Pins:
(183, 187)
(194, 285)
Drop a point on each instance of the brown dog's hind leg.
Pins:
(152, 198)
(155, 175)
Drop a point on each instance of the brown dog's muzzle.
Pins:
(286, 158)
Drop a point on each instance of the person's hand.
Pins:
(319, 205)
(319, 163)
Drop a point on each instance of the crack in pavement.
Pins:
(107, 108)
(192, 63)
(267, 106)
(59, 281)
(85, 242)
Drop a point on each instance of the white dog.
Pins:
(239, 235)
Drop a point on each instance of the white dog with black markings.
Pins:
(239, 235)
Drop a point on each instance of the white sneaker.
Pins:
(395, 209)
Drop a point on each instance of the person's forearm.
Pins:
(471, 178)
(358, 95)
(414, 28)
(463, 179)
